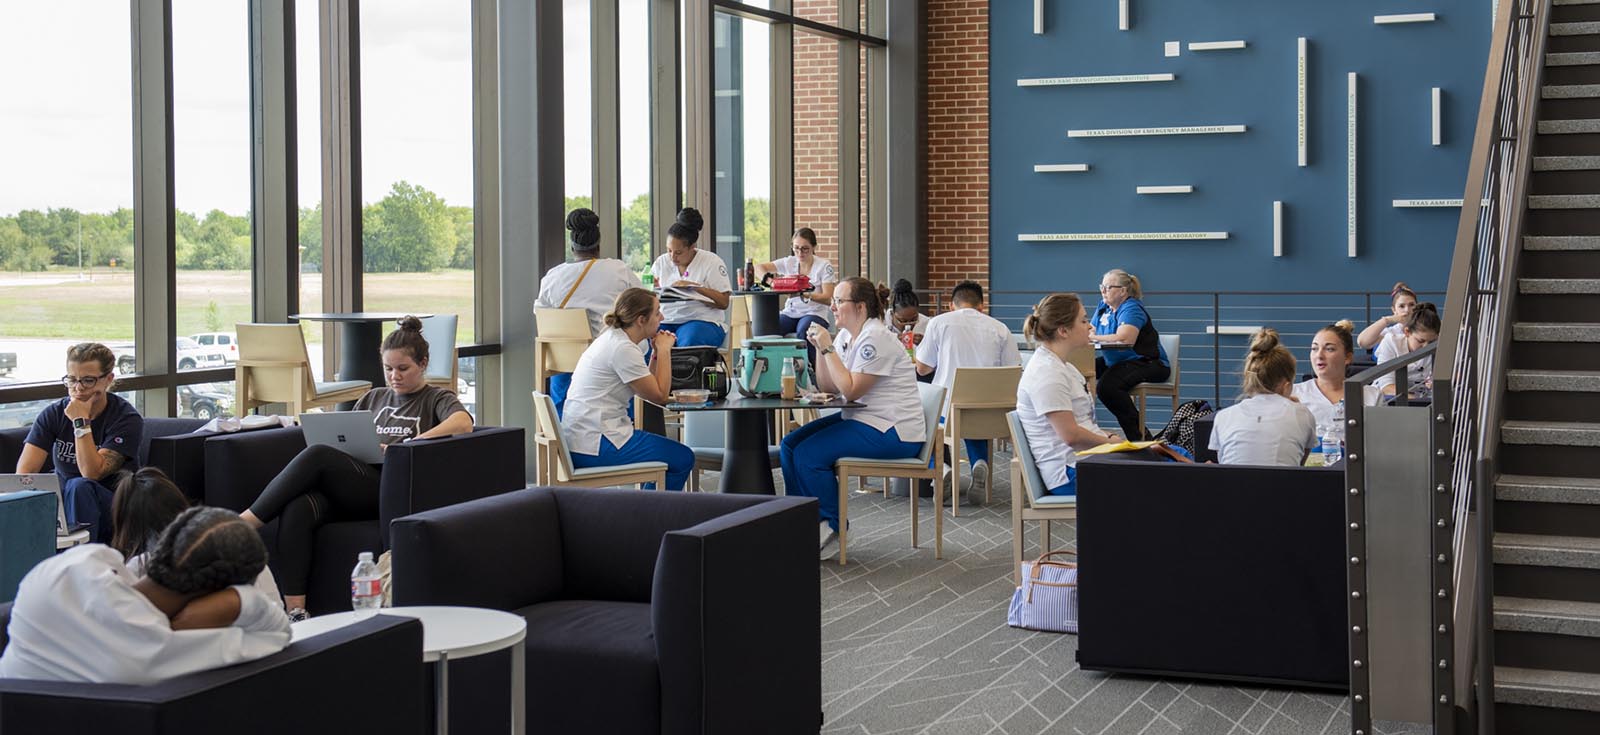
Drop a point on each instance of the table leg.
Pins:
(764, 309)
(519, 725)
(745, 467)
(359, 343)
(441, 695)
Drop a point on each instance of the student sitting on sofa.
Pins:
(1053, 401)
(81, 616)
(146, 503)
(1268, 426)
(1331, 352)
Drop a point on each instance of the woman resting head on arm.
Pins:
(1053, 401)
(146, 503)
(638, 314)
(196, 561)
(1401, 301)
(1267, 426)
(1420, 329)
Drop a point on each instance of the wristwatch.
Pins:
(827, 350)
(80, 428)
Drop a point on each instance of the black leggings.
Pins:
(1114, 383)
(320, 484)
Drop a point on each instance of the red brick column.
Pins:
(958, 142)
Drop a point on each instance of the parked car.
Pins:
(14, 415)
(190, 356)
(205, 400)
(8, 363)
(224, 344)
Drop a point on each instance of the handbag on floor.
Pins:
(1048, 597)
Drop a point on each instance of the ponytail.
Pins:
(1051, 315)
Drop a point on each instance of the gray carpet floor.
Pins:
(911, 644)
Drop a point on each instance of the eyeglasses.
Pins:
(1104, 287)
(84, 382)
(837, 301)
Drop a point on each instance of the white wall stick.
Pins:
(1300, 101)
(1122, 15)
(1184, 130)
(1173, 48)
(1107, 79)
(1183, 189)
(1108, 236)
(1439, 135)
(1350, 170)
(1384, 20)
(1277, 229)
(1215, 45)
(1046, 168)
(1038, 17)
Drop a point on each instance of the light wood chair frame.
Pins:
(303, 398)
(980, 397)
(553, 461)
(870, 468)
(1023, 509)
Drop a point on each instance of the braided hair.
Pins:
(204, 550)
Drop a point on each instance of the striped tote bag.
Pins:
(1048, 597)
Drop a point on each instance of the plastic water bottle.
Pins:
(1333, 439)
(366, 592)
(1322, 436)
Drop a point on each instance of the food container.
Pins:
(691, 395)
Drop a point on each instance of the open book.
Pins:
(674, 293)
(1122, 446)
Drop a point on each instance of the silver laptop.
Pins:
(40, 481)
(351, 432)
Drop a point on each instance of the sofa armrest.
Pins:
(322, 676)
(737, 616)
(433, 473)
(183, 458)
(501, 552)
(239, 466)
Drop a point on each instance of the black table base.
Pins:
(764, 309)
(746, 466)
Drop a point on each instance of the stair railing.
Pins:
(1470, 363)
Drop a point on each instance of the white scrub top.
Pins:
(965, 338)
(597, 402)
(707, 270)
(1320, 407)
(894, 401)
(596, 294)
(1265, 429)
(1049, 385)
(78, 618)
(1393, 346)
(821, 272)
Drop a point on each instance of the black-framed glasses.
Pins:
(837, 301)
(84, 382)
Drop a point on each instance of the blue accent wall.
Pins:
(1236, 176)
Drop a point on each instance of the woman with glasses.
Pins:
(90, 435)
(804, 309)
(868, 365)
(1130, 351)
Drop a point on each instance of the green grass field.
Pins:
(57, 305)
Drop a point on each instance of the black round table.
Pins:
(360, 339)
(746, 467)
(764, 309)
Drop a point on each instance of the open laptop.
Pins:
(42, 481)
(349, 431)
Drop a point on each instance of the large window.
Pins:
(416, 138)
(308, 143)
(66, 197)
(633, 107)
(742, 54)
(577, 96)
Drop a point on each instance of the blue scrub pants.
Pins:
(977, 449)
(808, 453)
(799, 327)
(643, 446)
(560, 383)
(88, 502)
(1070, 487)
(697, 333)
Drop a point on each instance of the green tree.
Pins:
(18, 252)
(758, 230)
(311, 238)
(213, 317)
(407, 231)
(461, 223)
(222, 242)
(636, 234)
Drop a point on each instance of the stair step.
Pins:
(1562, 381)
(1562, 242)
(1539, 688)
(1567, 163)
(1558, 285)
(1586, 28)
(1569, 91)
(1555, 332)
(1558, 433)
(1572, 58)
(1539, 489)
(1568, 127)
(1526, 549)
(1564, 201)
(1557, 617)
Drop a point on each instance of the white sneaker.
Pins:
(980, 480)
(829, 547)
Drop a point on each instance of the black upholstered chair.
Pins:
(1212, 571)
(417, 476)
(313, 686)
(647, 612)
(12, 440)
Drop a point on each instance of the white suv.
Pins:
(221, 344)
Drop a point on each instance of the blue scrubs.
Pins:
(697, 333)
(643, 446)
(808, 454)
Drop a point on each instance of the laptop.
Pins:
(42, 481)
(351, 432)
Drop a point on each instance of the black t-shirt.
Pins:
(397, 417)
(119, 428)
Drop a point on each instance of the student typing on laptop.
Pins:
(322, 482)
(90, 435)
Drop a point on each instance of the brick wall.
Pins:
(958, 142)
(816, 130)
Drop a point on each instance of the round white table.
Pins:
(449, 633)
(76, 538)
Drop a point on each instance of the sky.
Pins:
(66, 130)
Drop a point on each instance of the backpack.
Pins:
(1180, 430)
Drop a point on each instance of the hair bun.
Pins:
(903, 285)
(1265, 340)
(1346, 325)
(690, 217)
(409, 323)
(585, 227)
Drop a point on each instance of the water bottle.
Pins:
(1333, 440)
(1316, 449)
(649, 281)
(366, 592)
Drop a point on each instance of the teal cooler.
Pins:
(27, 536)
(760, 365)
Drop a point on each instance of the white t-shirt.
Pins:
(894, 401)
(707, 270)
(78, 618)
(1320, 407)
(1049, 385)
(821, 272)
(1393, 346)
(597, 402)
(596, 294)
(965, 338)
(265, 582)
(1265, 429)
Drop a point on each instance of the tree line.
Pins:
(411, 229)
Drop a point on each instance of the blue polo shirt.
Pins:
(1131, 311)
(119, 428)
